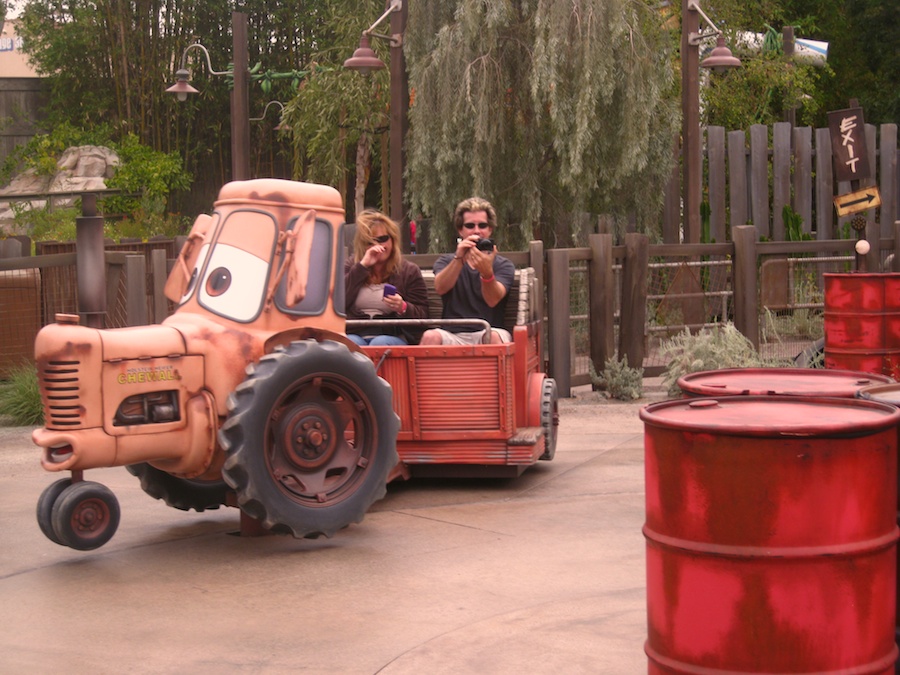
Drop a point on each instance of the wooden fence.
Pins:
(613, 296)
(750, 181)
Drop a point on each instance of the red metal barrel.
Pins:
(779, 381)
(771, 535)
(890, 394)
(862, 322)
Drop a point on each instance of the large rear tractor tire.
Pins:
(310, 439)
(180, 493)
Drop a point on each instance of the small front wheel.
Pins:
(85, 515)
(45, 508)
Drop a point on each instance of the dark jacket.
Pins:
(411, 287)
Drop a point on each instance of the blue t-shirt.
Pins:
(465, 300)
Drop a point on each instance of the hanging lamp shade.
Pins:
(720, 58)
(181, 88)
(364, 59)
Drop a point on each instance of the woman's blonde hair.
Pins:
(366, 221)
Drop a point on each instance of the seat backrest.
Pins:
(519, 310)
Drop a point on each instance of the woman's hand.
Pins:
(394, 302)
(373, 255)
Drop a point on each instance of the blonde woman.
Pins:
(380, 284)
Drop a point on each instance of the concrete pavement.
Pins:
(541, 574)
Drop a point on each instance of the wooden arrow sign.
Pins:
(854, 202)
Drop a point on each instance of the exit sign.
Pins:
(848, 144)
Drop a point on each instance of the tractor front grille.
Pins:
(61, 391)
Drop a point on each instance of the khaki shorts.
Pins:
(470, 338)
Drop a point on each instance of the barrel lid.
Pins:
(884, 393)
(772, 416)
(779, 381)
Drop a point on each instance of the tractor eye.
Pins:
(218, 281)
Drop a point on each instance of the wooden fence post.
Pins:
(602, 287)
(558, 318)
(136, 290)
(746, 297)
(634, 299)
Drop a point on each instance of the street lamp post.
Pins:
(240, 94)
(364, 60)
(720, 57)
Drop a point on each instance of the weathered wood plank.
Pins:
(823, 189)
(802, 178)
(737, 178)
(781, 177)
(888, 177)
(759, 178)
(633, 314)
(715, 143)
(602, 300)
(558, 316)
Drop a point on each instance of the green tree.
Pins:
(547, 108)
(109, 63)
(339, 119)
(863, 39)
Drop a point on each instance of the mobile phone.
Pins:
(390, 289)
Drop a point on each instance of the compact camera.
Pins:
(486, 245)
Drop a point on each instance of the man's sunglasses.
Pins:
(381, 240)
(472, 226)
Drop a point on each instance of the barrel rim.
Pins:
(688, 383)
(812, 429)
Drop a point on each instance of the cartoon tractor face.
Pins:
(250, 388)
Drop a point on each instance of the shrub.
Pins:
(710, 349)
(20, 397)
(619, 380)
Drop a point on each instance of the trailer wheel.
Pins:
(180, 493)
(85, 515)
(45, 508)
(310, 438)
(549, 417)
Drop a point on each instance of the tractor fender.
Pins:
(284, 338)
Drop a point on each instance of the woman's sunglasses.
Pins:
(472, 226)
(381, 240)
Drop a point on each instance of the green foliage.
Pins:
(620, 381)
(145, 176)
(709, 349)
(20, 397)
(339, 118)
(44, 224)
(793, 225)
(42, 151)
(148, 222)
(142, 170)
(547, 109)
(761, 91)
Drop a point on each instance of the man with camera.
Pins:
(473, 282)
